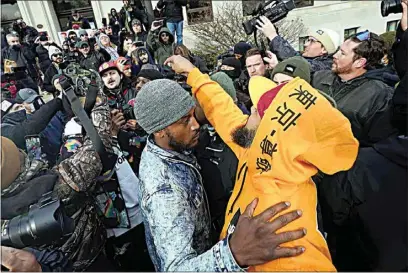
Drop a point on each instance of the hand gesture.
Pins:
(18, 260)
(118, 120)
(271, 59)
(264, 25)
(179, 64)
(255, 240)
(153, 27)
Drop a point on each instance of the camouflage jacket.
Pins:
(283, 50)
(176, 215)
(77, 179)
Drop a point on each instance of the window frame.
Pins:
(209, 8)
(348, 30)
(390, 23)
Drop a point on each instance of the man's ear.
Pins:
(324, 51)
(360, 63)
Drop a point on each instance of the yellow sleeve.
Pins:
(219, 108)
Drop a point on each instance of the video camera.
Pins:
(276, 12)
(45, 223)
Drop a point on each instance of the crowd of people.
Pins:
(274, 160)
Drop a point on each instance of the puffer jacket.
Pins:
(176, 215)
(364, 101)
(284, 50)
(275, 170)
(161, 51)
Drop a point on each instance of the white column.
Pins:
(40, 13)
(98, 13)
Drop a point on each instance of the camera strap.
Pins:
(108, 159)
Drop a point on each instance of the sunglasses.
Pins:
(84, 46)
(164, 35)
(363, 36)
(57, 55)
(84, 35)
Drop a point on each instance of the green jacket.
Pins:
(161, 51)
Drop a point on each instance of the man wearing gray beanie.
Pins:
(174, 203)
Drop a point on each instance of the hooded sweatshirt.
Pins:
(292, 142)
(137, 63)
(161, 51)
(112, 51)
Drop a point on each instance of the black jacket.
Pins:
(23, 56)
(28, 34)
(400, 52)
(43, 56)
(173, 9)
(33, 126)
(365, 102)
(48, 75)
(92, 61)
(218, 169)
(365, 209)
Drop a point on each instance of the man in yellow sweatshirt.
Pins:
(291, 133)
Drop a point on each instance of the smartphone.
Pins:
(158, 23)
(33, 147)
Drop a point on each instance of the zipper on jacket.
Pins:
(242, 185)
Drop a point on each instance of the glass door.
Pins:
(64, 9)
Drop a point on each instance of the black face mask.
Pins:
(233, 74)
(16, 47)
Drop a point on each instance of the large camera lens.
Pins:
(43, 224)
(390, 6)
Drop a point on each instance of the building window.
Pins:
(302, 41)
(9, 13)
(248, 6)
(64, 9)
(392, 25)
(199, 11)
(350, 31)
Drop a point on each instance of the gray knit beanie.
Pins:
(161, 103)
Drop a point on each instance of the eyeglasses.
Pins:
(363, 36)
(312, 40)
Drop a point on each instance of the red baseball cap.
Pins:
(108, 66)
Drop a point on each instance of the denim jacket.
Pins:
(176, 215)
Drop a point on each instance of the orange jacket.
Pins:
(282, 159)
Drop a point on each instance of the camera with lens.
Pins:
(277, 10)
(128, 113)
(45, 223)
(390, 6)
(81, 78)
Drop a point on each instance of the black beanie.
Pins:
(242, 48)
(150, 74)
